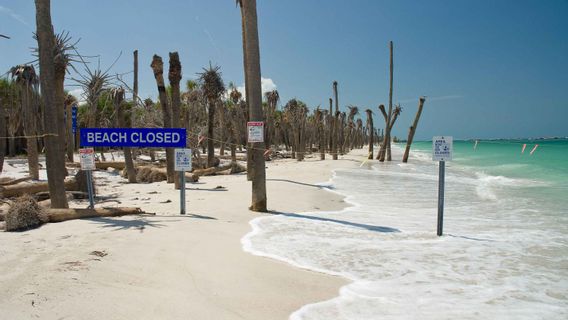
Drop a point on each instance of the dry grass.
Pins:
(24, 214)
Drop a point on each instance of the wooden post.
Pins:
(412, 129)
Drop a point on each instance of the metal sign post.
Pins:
(182, 164)
(87, 159)
(442, 148)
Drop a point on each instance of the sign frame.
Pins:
(87, 159)
(255, 131)
(442, 148)
(182, 158)
(133, 137)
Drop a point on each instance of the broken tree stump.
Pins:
(59, 215)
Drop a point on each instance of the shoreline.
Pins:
(169, 265)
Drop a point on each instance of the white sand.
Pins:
(167, 266)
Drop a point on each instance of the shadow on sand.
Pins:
(301, 183)
(343, 222)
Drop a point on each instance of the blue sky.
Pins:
(490, 69)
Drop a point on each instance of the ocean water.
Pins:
(504, 253)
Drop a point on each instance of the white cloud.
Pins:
(267, 85)
(78, 93)
(14, 15)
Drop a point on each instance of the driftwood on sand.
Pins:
(9, 182)
(59, 215)
(19, 189)
(103, 165)
(234, 167)
(149, 174)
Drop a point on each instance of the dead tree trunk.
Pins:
(385, 146)
(158, 68)
(412, 129)
(174, 76)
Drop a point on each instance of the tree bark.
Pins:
(386, 141)
(19, 189)
(210, 134)
(30, 130)
(69, 134)
(158, 68)
(371, 134)
(3, 134)
(254, 100)
(60, 66)
(59, 215)
(46, 41)
(412, 129)
(174, 76)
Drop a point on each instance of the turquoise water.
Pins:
(547, 167)
(504, 253)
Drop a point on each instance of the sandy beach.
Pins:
(168, 266)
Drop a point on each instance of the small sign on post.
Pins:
(87, 159)
(442, 150)
(182, 164)
(255, 131)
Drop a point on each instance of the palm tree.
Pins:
(213, 89)
(371, 131)
(27, 80)
(254, 99)
(272, 98)
(158, 69)
(46, 41)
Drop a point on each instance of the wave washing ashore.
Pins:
(504, 253)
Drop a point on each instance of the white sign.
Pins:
(442, 148)
(183, 159)
(255, 131)
(87, 159)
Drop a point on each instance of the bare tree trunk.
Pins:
(222, 127)
(69, 134)
(371, 133)
(174, 76)
(60, 69)
(46, 41)
(210, 134)
(254, 100)
(30, 131)
(158, 68)
(3, 134)
(128, 161)
(386, 142)
(412, 129)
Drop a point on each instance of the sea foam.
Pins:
(500, 258)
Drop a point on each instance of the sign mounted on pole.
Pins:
(87, 159)
(183, 164)
(182, 159)
(133, 137)
(255, 131)
(442, 148)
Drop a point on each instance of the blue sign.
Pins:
(74, 118)
(133, 137)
